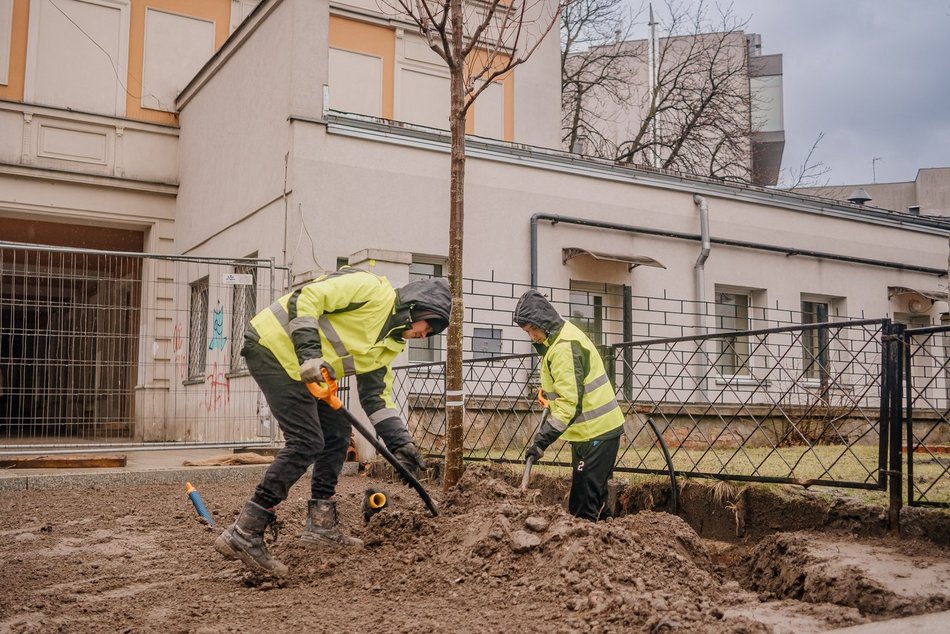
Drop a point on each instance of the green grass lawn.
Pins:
(838, 463)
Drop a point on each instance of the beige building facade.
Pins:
(310, 133)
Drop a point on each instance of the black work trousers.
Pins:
(592, 463)
(314, 433)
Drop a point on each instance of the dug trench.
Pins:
(496, 559)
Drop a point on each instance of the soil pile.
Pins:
(875, 579)
(138, 559)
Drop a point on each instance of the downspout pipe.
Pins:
(556, 218)
(699, 276)
(699, 272)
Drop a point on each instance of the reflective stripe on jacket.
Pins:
(341, 317)
(582, 401)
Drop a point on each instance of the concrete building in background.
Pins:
(926, 195)
(748, 86)
(313, 132)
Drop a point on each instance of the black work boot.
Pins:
(323, 528)
(244, 540)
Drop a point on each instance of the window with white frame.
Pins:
(198, 329)
(589, 308)
(243, 309)
(732, 315)
(815, 342)
(426, 350)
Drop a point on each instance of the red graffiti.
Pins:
(217, 389)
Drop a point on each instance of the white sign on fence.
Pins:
(240, 279)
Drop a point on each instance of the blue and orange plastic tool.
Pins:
(199, 503)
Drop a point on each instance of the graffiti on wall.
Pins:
(217, 389)
(217, 329)
(178, 352)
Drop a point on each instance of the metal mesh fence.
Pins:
(927, 378)
(796, 404)
(103, 348)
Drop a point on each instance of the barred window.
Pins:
(198, 329)
(243, 309)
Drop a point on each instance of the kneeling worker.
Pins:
(582, 406)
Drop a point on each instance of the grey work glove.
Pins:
(534, 451)
(409, 457)
(310, 370)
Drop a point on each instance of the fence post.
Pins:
(627, 353)
(894, 358)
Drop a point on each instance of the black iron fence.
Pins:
(767, 405)
(927, 412)
(818, 404)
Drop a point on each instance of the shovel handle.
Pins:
(527, 473)
(328, 395)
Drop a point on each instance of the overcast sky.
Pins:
(873, 75)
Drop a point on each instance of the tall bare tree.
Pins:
(479, 41)
(694, 117)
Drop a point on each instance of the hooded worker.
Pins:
(350, 322)
(582, 407)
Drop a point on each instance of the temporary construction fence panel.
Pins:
(106, 349)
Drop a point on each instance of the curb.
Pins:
(106, 478)
(97, 480)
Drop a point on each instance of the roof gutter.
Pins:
(614, 226)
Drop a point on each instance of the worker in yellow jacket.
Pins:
(350, 322)
(582, 407)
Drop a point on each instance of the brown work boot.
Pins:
(323, 528)
(244, 540)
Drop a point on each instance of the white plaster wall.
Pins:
(356, 193)
(537, 102)
(77, 55)
(235, 135)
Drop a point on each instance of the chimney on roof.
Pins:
(859, 196)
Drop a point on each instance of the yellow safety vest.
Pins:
(583, 406)
(351, 309)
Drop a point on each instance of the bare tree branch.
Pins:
(809, 173)
(698, 117)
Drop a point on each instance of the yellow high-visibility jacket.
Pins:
(581, 399)
(354, 320)
(582, 402)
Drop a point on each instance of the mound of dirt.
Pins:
(491, 543)
(138, 558)
(875, 578)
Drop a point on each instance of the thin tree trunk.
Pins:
(454, 395)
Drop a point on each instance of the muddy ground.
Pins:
(138, 559)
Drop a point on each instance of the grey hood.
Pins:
(534, 308)
(423, 296)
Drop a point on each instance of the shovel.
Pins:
(328, 395)
(530, 461)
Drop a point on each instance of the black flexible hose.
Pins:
(674, 496)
